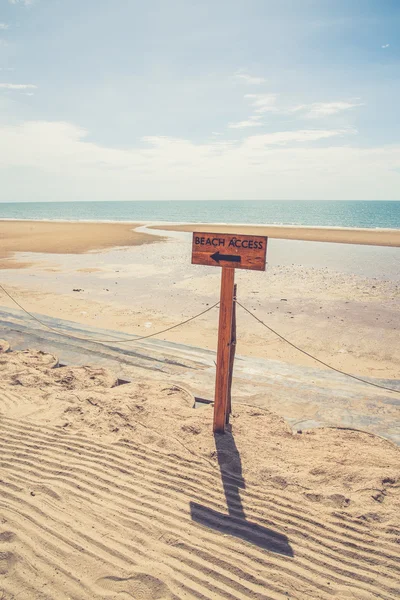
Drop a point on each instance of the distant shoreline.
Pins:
(341, 235)
(169, 225)
(76, 237)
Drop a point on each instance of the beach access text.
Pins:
(228, 250)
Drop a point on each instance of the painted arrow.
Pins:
(228, 257)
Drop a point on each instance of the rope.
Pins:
(75, 337)
(382, 387)
(145, 337)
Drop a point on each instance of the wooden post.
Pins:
(231, 358)
(223, 351)
(229, 251)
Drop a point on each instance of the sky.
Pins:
(199, 100)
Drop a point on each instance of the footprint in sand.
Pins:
(7, 561)
(334, 500)
(7, 536)
(141, 586)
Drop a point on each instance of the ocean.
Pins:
(368, 214)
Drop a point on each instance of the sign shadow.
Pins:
(235, 523)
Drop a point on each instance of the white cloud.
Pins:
(243, 124)
(251, 122)
(385, 46)
(24, 2)
(248, 79)
(280, 138)
(48, 160)
(3, 26)
(263, 102)
(17, 86)
(326, 109)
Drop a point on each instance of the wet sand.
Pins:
(346, 313)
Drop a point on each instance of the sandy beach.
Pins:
(346, 314)
(85, 462)
(111, 492)
(64, 238)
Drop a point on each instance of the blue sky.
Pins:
(182, 99)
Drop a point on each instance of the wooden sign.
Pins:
(228, 250)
